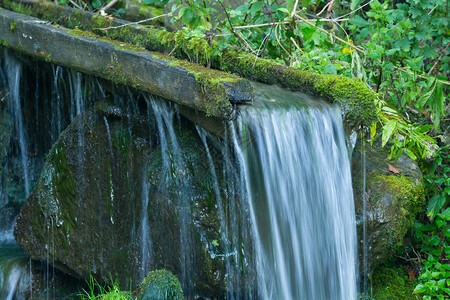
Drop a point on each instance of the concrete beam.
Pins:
(211, 91)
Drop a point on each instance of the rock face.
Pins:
(393, 198)
(117, 201)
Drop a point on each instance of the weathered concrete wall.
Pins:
(356, 100)
(186, 83)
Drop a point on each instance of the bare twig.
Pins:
(132, 23)
(287, 22)
(330, 34)
(108, 6)
(438, 60)
(236, 34)
(76, 5)
(295, 8)
(353, 11)
(323, 9)
(278, 41)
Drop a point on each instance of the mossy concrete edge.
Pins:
(211, 91)
(356, 100)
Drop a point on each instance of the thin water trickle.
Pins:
(13, 71)
(174, 169)
(364, 221)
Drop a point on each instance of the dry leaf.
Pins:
(393, 170)
(411, 275)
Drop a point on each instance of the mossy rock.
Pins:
(6, 130)
(160, 284)
(392, 201)
(392, 283)
(89, 202)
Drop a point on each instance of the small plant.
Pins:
(98, 291)
(433, 233)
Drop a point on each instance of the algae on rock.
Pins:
(392, 201)
(89, 202)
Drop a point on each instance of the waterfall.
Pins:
(14, 68)
(297, 173)
(278, 183)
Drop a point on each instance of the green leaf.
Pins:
(215, 243)
(305, 3)
(186, 14)
(354, 4)
(283, 9)
(256, 6)
(387, 131)
(437, 104)
(445, 214)
(420, 288)
(434, 205)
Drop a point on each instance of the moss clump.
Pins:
(215, 85)
(115, 74)
(160, 284)
(407, 198)
(117, 45)
(13, 26)
(392, 283)
(64, 185)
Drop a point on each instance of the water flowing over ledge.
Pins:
(129, 186)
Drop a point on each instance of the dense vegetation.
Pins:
(399, 48)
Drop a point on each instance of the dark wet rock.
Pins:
(392, 201)
(87, 208)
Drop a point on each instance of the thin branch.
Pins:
(438, 60)
(76, 5)
(295, 8)
(132, 23)
(108, 6)
(278, 41)
(323, 9)
(286, 22)
(330, 34)
(236, 34)
(353, 11)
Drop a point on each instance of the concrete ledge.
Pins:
(189, 84)
(356, 100)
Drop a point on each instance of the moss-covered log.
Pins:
(355, 99)
(190, 84)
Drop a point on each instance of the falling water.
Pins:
(291, 185)
(365, 273)
(14, 68)
(174, 168)
(297, 173)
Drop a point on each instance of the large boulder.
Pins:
(394, 194)
(113, 202)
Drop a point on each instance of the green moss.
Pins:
(115, 74)
(56, 197)
(64, 185)
(121, 139)
(392, 283)
(407, 196)
(117, 45)
(13, 25)
(17, 7)
(160, 284)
